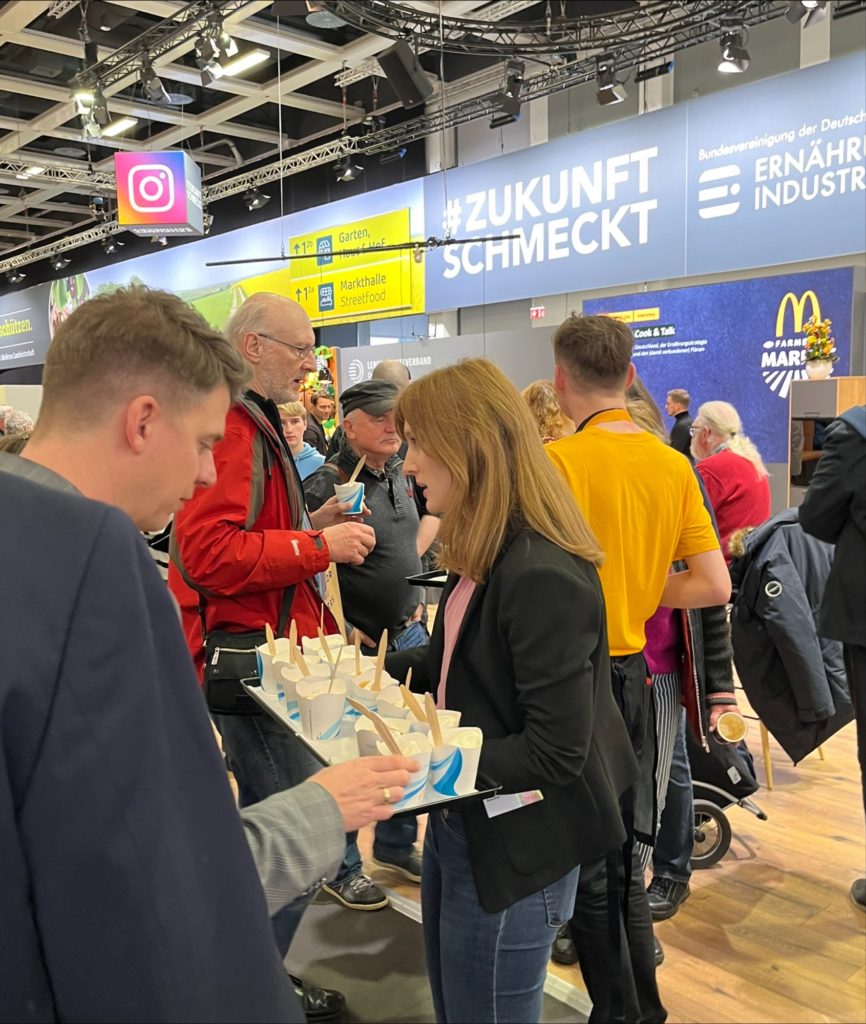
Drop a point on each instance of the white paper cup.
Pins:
(391, 701)
(268, 672)
(353, 495)
(348, 662)
(321, 711)
(417, 746)
(362, 696)
(368, 738)
(454, 765)
(447, 720)
(287, 682)
(312, 646)
(731, 727)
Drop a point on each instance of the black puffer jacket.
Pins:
(834, 510)
(794, 679)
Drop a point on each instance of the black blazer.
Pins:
(531, 669)
(128, 890)
(681, 439)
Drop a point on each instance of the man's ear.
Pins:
(349, 428)
(252, 347)
(630, 376)
(558, 379)
(139, 419)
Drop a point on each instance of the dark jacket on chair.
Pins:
(834, 510)
(794, 679)
(531, 669)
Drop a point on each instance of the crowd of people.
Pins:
(586, 558)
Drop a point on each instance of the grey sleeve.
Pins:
(297, 841)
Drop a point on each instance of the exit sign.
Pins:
(536, 312)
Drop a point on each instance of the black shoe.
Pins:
(665, 896)
(659, 952)
(319, 1003)
(858, 893)
(408, 865)
(357, 893)
(564, 950)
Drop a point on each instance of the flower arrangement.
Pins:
(819, 343)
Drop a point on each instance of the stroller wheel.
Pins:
(712, 835)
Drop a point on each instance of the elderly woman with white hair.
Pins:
(731, 468)
(18, 422)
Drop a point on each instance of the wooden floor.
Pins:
(769, 934)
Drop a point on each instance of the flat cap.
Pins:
(374, 397)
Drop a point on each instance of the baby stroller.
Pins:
(722, 776)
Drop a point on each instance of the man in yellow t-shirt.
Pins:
(643, 502)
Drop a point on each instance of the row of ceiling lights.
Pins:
(216, 56)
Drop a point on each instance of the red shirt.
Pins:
(739, 494)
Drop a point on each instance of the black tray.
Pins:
(434, 578)
(265, 700)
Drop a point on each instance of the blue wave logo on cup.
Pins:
(445, 772)
(352, 495)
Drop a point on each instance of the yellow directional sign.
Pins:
(337, 289)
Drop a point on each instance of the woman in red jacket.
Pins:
(732, 470)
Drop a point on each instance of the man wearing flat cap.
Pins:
(376, 595)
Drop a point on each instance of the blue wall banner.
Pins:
(767, 173)
(741, 342)
(589, 211)
(777, 170)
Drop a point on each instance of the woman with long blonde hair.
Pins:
(520, 649)
(731, 468)
(552, 422)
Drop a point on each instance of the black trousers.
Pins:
(855, 668)
(612, 926)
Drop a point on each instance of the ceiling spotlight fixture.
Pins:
(91, 107)
(506, 103)
(111, 244)
(807, 11)
(158, 240)
(59, 262)
(15, 276)
(212, 48)
(608, 87)
(657, 71)
(206, 222)
(154, 90)
(255, 199)
(735, 57)
(346, 169)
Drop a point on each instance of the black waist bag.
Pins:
(230, 659)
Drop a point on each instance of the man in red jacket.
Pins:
(246, 552)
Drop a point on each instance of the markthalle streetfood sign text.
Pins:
(753, 176)
(159, 193)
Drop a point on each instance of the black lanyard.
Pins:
(598, 412)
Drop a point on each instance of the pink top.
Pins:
(455, 612)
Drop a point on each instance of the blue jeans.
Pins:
(484, 967)
(676, 833)
(265, 759)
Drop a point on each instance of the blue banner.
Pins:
(588, 210)
(740, 342)
(763, 174)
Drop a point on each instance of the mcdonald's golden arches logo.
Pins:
(782, 358)
(798, 307)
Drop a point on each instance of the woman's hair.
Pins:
(723, 419)
(13, 444)
(293, 409)
(471, 418)
(643, 410)
(544, 406)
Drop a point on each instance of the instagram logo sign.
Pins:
(158, 193)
